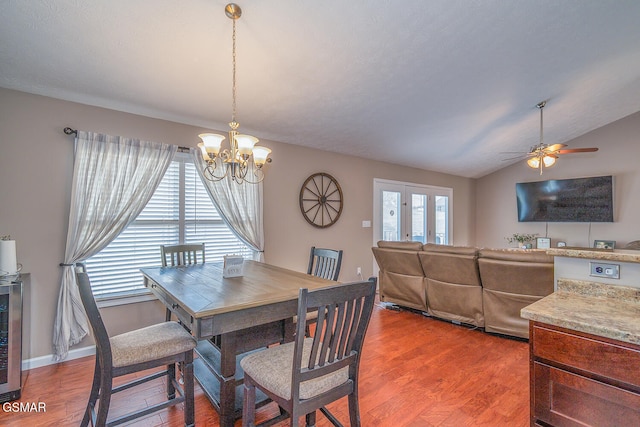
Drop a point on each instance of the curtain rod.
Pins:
(70, 131)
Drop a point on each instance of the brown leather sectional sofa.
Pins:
(482, 287)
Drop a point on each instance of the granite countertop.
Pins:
(608, 311)
(621, 255)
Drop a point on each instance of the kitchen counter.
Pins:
(620, 255)
(609, 311)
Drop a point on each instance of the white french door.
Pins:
(412, 212)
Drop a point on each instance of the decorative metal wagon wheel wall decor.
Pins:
(321, 200)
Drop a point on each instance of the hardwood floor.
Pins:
(415, 371)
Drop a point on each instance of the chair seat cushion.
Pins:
(150, 343)
(272, 369)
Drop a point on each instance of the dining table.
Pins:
(230, 317)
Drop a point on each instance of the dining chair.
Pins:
(181, 255)
(325, 263)
(307, 374)
(164, 344)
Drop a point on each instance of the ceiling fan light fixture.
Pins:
(533, 162)
(549, 161)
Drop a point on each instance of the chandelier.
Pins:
(540, 155)
(243, 160)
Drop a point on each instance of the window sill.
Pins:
(112, 301)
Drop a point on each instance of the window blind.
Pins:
(180, 211)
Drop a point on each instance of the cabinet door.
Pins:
(564, 399)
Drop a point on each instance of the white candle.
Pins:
(8, 262)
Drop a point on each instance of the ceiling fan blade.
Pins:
(520, 157)
(554, 147)
(577, 150)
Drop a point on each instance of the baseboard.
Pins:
(46, 360)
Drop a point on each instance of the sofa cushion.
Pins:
(401, 278)
(453, 283)
(502, 313)
(451, 264)
(522, 272)
(459, 303)
(511, 280)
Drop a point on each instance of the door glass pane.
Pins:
(442, 220)
(391, 215)
(419, 218)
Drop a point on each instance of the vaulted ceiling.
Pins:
(443, 85)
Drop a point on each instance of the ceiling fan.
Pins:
(544, 155)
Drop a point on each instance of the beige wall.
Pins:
(618, 155)
(36, 161)
(288, 236)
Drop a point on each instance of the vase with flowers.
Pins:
(522, 239)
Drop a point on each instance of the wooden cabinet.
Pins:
(579, 379)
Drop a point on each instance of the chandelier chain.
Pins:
(233, 87)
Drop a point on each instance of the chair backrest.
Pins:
(325, 263)
(100, 334)
(343, 313)
(182, 254)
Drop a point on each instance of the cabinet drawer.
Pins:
(170, 303)
(566, 399)
(617, 361)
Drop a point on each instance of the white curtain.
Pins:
(113, 179)
(239, 205)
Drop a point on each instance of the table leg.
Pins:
(228, 345)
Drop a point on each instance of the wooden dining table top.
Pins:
(201, 290)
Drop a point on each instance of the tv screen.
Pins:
(566, 200)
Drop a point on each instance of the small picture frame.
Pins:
(233, 266)
(543, 243)
(604, 244)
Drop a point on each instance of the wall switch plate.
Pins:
(601, 269)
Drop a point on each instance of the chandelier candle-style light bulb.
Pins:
(260, 155)
(211, 143)
(243, 155)
(245, 144)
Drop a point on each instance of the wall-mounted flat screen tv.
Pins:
(566, 200)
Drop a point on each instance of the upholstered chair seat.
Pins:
(273, 369)
(150, 343)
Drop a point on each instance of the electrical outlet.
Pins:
(600, 269)
(359, 271)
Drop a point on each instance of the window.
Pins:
(180, 211)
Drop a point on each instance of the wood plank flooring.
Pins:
(415, 371)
